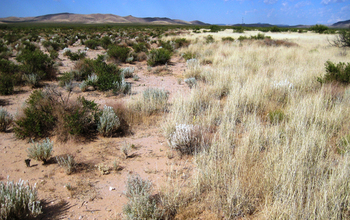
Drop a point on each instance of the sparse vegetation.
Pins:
(158, 57)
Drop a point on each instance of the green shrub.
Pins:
(238, 29)
(342, 39)
(5, 119)
(75, 56)
(109, 122)
(259, 36)
(79, 119)
(181, 42)
(158, 57)
(41, 151)
(227, 39)
(18, 200)
(11, 71)
(6, 84)
(214, 28)
(168, 45)
(105, 42)
(140, 204)
(336, 72)
(37, 62)
(140, 47)
(276, 116)
(92, 44)
(189, 55)
(242, 38)
(275, 29)
(38, 119)
(66, 78)
(319, 28)
(118, 53)
(209, 39)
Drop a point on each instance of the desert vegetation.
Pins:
(262, 119)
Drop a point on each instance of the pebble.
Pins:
(111, 188)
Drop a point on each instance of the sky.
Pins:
(289, 12)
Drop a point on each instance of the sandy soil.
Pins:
(88, 193)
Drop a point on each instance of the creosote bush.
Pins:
(336, 72)
(118, 53)
(18, 200)
(158, 57)
(41, 151)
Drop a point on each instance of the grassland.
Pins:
(266, 139)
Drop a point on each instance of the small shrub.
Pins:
(37, 119)
(92, 44)
(128, 72)
(336, 72)
(109, 122)
(68, 163)
(140, 205)
(209, 39)
(276, 116)
(31, 79)
(6, 84)
(118, 53)
(105, 42)
(75, 56)
(5, 119)
(191, 82)
(189, 55)
(214, 28)
(140, 47)
(41, 151)
(227, 39)
(275, 29)
(260, 36)
(242, 38)
(181, 42)
(66, 78)
(158, 57)
(342, 39)
(238, 29)
(185, 139)
(319, 28)
(18, 200)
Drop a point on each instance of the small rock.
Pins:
(111, 188)
(80, 217)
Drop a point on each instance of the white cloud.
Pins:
(302, 4)
(251, 11)
(270, 12)
(326, 2)
(269, 2)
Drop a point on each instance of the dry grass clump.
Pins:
(150, 101)
(279, 142)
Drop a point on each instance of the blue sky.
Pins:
(291, 12)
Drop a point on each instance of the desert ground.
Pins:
(250, 163)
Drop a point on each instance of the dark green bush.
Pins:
(105, 42)
(227, 39)
(181, 42)
(140, 47)
(241, 38)
(92, 44)
(209, 39)
(118, 53)
(336, 72)
(189, 55)
(75, 56)
(238, 29)
(6, 84)
(319, 28)
(158, 57)
(214, 28)
(259, 36)
(275, 29)
(166, 45)
(35, 61)
(38, 120)
(66, 78)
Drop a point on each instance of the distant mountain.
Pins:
(341, 24)
(96, 19)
